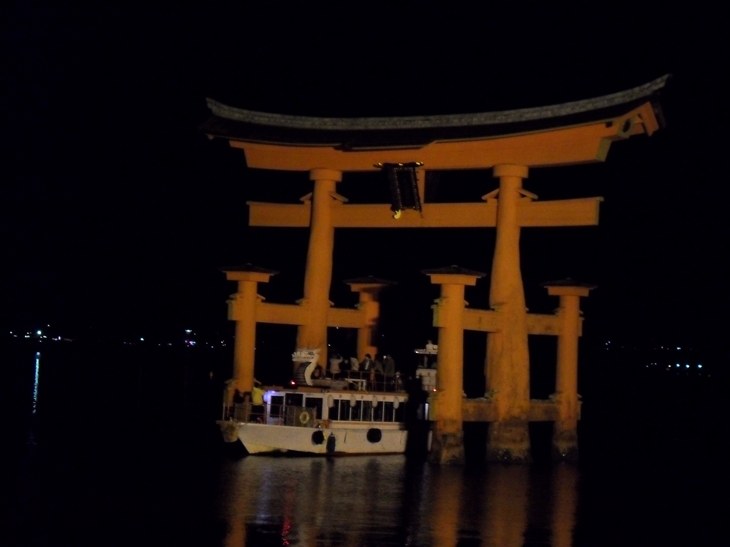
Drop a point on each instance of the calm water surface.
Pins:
(95, 457)
(386, 501)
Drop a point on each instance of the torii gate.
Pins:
(509, 143)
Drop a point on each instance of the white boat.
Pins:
(352, 415)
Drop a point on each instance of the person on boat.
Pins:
(335, 362)
(257, 402)
(432, 349)
(354, 364)
(242, 409)
(366, 368)
(370, 368)
(236, 411)
(398, 383)
(388, 365)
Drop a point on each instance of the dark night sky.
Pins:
(115, 210)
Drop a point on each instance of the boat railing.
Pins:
(373, 380)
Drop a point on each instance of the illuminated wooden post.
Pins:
(318, 275)
(368, 289)
(242, 310)
(508, 361)
(447, 446)
(565, 430)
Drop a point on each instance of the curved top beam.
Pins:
(443, 121)
(564, 134)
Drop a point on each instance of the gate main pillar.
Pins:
(508, 362)
(318, 275)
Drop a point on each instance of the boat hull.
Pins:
(360, 439)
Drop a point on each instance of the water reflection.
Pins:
(35, 380)
(565, 501)
(505, 515)
(386, 500)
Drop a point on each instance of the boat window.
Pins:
(356, 411)
(344, 410)
(367, 411)
(277, 404)
(400, 413)
(387, 411)
(316, 404)
(294, 399)
(334, 412)
(378, 412)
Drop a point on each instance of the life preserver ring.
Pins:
(304, 417)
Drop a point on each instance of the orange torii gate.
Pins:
(509, 143)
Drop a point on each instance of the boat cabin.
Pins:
(300, 408)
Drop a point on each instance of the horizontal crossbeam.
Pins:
(347, 318)
(490, 321)
(281, 314)
(569, 212)
(295, 314)
(563, 146)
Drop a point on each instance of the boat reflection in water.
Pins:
(385, 500)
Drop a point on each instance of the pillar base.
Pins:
(565, 442)
(509, 442)
(447, 448)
